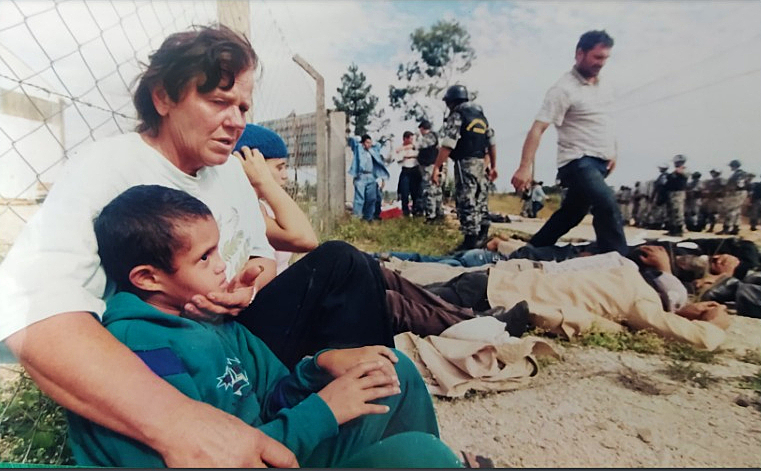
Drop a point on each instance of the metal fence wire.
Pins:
(66, 74)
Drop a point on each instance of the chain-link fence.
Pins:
(66, 75)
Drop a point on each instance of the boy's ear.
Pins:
(145, 277)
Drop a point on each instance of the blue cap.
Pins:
(269, 143)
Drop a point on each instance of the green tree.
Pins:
(356, 100)
(443, 52)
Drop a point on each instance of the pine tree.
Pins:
(355, 99)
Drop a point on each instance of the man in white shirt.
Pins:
(578, 105)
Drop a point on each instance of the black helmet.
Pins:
(455, 93)
(696, 174)
(735, 163)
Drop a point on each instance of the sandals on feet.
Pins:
(470, 460)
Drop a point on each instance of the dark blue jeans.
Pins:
(409, 188)
(587, 190)
(464, 258)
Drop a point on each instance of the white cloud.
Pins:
(666, 57)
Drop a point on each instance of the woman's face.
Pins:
(201, 129)
(279, 170)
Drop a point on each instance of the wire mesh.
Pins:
(66, 76)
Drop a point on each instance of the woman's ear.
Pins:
(161, 100)
(145, 277)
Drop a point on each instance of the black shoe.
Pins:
(516, 319)
(468, 243)
(483, 237)
(735, 230)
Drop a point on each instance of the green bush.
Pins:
(32, 426)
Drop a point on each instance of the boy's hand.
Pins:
(240, 292)
(349, 395)
(338, 362)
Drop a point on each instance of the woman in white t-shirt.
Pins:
(264, 156)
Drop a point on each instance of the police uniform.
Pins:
(676, 185)
(755, 205)
(735, 192)
(657, 211)
(466, 131)
(624, 200)
(427, 145)
(711, 199)
(692, 204)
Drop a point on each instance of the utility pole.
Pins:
(321, 140)
(236, 15)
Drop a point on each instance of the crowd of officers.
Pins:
(680, 201)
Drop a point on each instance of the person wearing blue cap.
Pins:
(264, 157)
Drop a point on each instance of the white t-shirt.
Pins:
(282, 258)
(54, 267)
(581, 113)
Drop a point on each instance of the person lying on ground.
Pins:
(568, 297)
(161, 246)
(496, 249)
(409, 307)
(191, 103)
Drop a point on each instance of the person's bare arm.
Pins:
(493, 174)
(291, 229)
(522, 176)
(81, 366)
(441, 158)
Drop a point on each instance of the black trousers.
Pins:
(334, 297)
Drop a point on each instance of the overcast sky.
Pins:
(686, 73)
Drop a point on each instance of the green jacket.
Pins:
(221, 364)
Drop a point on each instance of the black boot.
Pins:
(516, 319)
(483, 237)
(735, 230)
(468, 243)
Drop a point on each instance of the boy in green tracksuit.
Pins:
(360, 407)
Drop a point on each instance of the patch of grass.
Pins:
(681, 351)
(399, 235)
(32, 426)
(752, 382)
(510, 203)
(688, 372)
(751, 356)
(640, 342)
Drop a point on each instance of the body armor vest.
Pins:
(473, 140)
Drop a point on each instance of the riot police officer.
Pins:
(466, 137)
(676, 184)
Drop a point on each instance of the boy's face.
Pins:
(199, 267)
(279, 170)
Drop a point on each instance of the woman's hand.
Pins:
(240, 292)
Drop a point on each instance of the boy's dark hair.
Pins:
(407, 134)
(425, 124)
(139, 227)
(590, 39)
(214, 55)
(365, 137)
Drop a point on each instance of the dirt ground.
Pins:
(598, 408)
